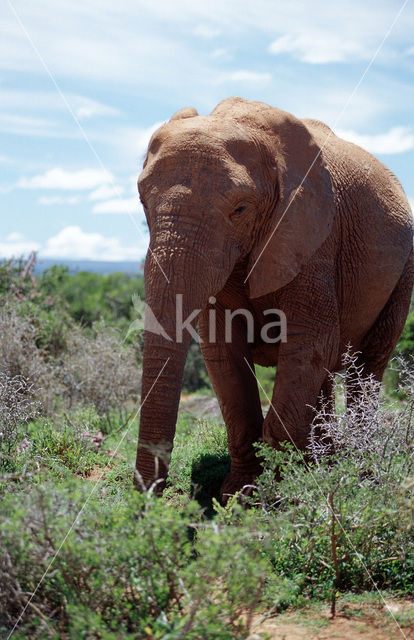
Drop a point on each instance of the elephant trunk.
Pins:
(163, 367)
(165, 352)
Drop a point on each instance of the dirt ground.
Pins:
(392, 620)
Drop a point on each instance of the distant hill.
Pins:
(94, 266)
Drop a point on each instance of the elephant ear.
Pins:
(303, 215)
(187, 112)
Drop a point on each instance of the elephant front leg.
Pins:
(229, 366)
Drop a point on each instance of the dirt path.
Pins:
(353, 622)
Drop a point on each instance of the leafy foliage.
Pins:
(90, 297)
(195, 372)
(406, 344)
(338, 517)
(127, 567)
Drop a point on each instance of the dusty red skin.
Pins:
(340, 266)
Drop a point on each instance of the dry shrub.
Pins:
(17, 405)
(21, 359)
(370, 425)
(96, 369)
(99, 370)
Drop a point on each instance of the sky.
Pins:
(83, 85)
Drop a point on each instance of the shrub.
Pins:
(74, 444)
(16, 277)
(21, 357)
(100, 371)
(91, 297)
(370, 428)
(200, 458)
(44, 308)
(95, 369)
(340, 519)
(405, 345)
(195, 373)
(17, 406)
(132, 567)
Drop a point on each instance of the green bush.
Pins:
(405, 345)
(73, 445)
(266, 380)
(341, 518)
(335, 527)
(133, 566)
(90, 297)
(195, 373)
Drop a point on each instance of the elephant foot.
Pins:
(242, 482)
(153, 486)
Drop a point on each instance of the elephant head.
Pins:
(247, 182)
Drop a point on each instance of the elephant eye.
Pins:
(238, 211)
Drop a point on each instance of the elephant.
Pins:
(251, 209)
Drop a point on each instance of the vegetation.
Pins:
(83, 555)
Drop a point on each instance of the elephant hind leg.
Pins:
(380, 341)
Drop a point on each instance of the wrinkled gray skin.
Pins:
(340, 266)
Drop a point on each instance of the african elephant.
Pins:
(251, 208)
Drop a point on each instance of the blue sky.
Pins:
(119, 69)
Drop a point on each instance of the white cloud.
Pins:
(33, 126)
(73, 243)
(206, 31)
(145, 42)
(120, 44)
(317, 48)
(6, 160)
(411, 201)
(396, 140)
(106, 191)
(220, 54)
(327, 104)
(16, 246)
(15, 236)
(119, 205)
(142, 137)
(132, 143)
(245, 77)
(50, 101)
(88, 108)
(48, 201)
(68, 180)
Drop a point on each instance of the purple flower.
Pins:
(23, 445)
